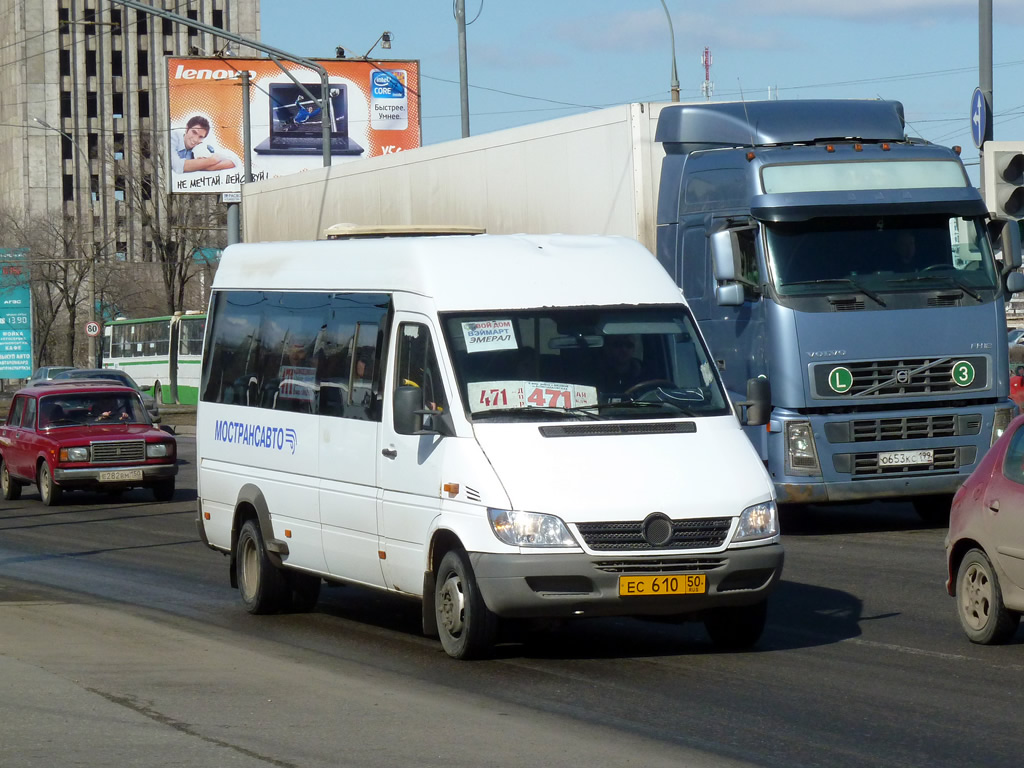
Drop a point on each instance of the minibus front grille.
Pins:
(114, 451)
(656, 566)
(703, 533)
(591, 430)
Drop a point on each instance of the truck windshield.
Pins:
(880, 254)
(629, 363)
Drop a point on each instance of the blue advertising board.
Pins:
(15, 316)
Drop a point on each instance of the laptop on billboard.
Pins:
(296, 121)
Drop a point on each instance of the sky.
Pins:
(534, 60)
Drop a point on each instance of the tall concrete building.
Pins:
(83, 104)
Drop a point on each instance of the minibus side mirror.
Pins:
(409, 412)
(758, 402)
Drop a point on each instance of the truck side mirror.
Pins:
(758, 402)
(724, 247)
(729, 295)
(1014, 282)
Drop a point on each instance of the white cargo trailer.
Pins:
(593, 173)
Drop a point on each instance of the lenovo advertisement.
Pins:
(372, 107)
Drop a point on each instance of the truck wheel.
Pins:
(979, 602)
(736, 628)
(164, 490)
(934, 510)
(261, 585)
(10, 487)
(49, 491)
(465, 624)
(304, 589)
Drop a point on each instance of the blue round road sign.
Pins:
(979, 117)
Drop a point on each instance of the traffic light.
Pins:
(1004, 179)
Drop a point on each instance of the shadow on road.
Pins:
(862, 517)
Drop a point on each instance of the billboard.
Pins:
(373, 108)
(15, 316)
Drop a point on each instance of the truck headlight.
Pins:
(529, 529)
(760, 521)
(801, 455)
(159, 450)
(74, 454)
(1001, 420)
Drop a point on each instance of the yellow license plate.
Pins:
(653, 586)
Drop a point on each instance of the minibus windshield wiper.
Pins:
(533, 410)
(635, 404)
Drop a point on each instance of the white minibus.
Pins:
(501, 427)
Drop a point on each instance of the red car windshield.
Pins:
(78, 408)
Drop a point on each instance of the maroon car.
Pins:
(985, 543)
(83, 435)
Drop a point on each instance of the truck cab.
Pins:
(820, 248)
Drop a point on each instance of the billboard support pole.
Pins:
(273, 53)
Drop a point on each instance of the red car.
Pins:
(83, 435)
(985, 543)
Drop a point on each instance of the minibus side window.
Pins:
(304, 352)
(416, 365)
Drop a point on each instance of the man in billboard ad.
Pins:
(372, 108)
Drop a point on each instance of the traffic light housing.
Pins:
(1004, 179)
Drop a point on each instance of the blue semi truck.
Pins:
(819, 247)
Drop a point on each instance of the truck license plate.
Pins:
(120, 475)
(905, 458)
(647, 586)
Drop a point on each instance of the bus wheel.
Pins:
(465, 624)
(261, 585)
(49, 491)
(11, 488)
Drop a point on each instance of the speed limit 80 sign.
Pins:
(92, 328)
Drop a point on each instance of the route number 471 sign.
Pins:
(491, 395)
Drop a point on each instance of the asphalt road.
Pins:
(122, 643)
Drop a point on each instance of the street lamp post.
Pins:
(672, 33)
(92, 223)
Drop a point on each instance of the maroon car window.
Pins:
(19, 408)
(1013, 464)
(28, 419)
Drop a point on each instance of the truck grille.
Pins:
(903, 428)
(114, 451)
(896, 378)
(686, 534)
(943, 460)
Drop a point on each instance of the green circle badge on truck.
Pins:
(840, 379)
(962, 373)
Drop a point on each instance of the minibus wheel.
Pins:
(737, 627)
(464, 623)
(261, 585)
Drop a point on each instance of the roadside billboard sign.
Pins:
(15, 315)
(373, 107)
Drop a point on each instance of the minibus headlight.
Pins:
(1000, 422)
(74, 454)
(801, 455)
(761, 521)
(529, 529)
(159, 450)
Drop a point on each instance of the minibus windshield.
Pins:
(585, 363)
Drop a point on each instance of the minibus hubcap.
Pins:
(452, 606)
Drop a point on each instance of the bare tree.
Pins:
(177, 225)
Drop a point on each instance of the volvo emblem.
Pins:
(902, 375)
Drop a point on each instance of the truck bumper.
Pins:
(866, 490)
(552, 586)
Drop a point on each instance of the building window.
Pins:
(143, 64)
(115, 20)
(90, 63)
(65, 104)
(116, 67)
(168, 27)
(143, 104)
(140, 21)
(68, 184)
(65, 62)
(94, 145)
(91, 104)
(218, 19)
(117, 103)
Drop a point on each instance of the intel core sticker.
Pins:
(840, 379)
(489, 335)
(962, 373)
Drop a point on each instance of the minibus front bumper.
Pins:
(548, 585)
